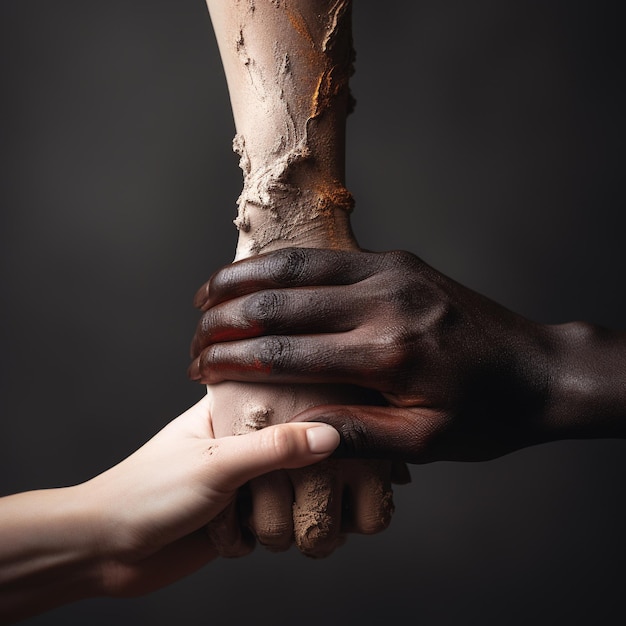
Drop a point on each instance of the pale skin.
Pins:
(140, 525)
(287, 66)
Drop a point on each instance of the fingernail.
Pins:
(322, 438)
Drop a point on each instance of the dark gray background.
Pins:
(488, 138)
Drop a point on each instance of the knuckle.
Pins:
(396, 286)
(264, 307)
(208, 357)
(393, 349)
(275, 534)
(404, 271)
(275, 352)
(209, 364)
(354, 435)
(401, 259)
(289, 265)
(205, 326)
(402, 299)
(279, 443)
(375, 521)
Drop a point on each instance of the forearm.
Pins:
(588, 383)
(48, 552)
(287, 64)
(287, 67)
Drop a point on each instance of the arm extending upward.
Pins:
(288, 64)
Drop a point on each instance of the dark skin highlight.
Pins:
(462, 377)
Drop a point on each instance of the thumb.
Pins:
(283, 446)
(399, 434)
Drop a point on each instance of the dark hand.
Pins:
(464, 377)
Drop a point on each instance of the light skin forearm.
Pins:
(48, 551)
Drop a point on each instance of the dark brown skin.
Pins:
(462, 377)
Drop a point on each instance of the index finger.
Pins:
(289, 267)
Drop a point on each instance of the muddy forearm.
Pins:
(287, 65)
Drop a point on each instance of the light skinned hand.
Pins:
(139, 525)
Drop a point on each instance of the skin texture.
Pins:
(287, 65)
(62, 545)
(463, 377)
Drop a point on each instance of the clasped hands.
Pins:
(457, 376)
(462, 377)
(451, 374)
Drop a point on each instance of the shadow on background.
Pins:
(487, 139)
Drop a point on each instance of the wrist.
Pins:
(75, 522)
(314, 218)
(587, 382)
(91, 519)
